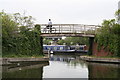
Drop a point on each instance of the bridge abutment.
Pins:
(41, 44)
(91, 40)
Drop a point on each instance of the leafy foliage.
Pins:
(46, 41)
(74, 41)
(20, 39)
(109, 37)
(117, 14)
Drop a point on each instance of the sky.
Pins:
(91, 12)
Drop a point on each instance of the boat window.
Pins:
(81, 48)
(55, 48)
(61, 48)
(45, 48)
(48, 48)
(68, 48)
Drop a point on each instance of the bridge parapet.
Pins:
(69, 29)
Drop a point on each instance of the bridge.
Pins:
(69, 30)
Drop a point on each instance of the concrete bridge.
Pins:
(69, 30)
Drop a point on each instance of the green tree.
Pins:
(108, 36)
(117, 15)
(9, 31)
(23, 20)
(74, 40)
(20, 37)
(47, 41)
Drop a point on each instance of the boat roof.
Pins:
(54, 45)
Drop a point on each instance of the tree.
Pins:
(74, 41)
(19, 36)
(109, 37)
(9, 26)
(117, 14)
(23, 20)
(9, 31)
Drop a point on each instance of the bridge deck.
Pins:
(67, 35)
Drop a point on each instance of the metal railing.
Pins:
(69, 28)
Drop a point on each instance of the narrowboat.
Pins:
(57, 49)
(79, 49)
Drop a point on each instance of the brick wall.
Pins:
(101, 52)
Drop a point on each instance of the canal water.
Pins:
(63, 66)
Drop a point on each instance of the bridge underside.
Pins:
(66, 34)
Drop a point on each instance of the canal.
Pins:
(63, 66)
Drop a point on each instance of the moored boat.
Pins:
(79, 48)
(58, 49)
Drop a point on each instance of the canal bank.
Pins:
(100, 60)
(22, 61)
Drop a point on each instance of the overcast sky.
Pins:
(63, 11)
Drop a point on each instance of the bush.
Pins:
(18, 39)
(109, 37)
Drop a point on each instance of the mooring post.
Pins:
(91, 40)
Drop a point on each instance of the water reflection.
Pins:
(74, 67)
(71, 60)
(63, 66)
(100, 70)
(23, 72)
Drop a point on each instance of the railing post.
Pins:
(59, 28)
(95, 29)
(70, 28)
(84, 29)
(73, 28)
(91, 30)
